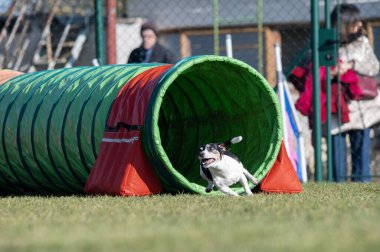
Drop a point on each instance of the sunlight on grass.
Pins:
(324, 217)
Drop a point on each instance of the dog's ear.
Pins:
(222, 147)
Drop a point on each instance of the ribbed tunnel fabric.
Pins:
(52, 122)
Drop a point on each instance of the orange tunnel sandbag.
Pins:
(121, 167)
(8, 74)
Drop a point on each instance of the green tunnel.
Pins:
(210, 99)
(52, 122)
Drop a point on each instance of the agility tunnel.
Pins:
(133, 129)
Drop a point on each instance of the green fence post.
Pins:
(316, 90)
(328, 94)
(216, 27)
(99, 36)
(260, 36)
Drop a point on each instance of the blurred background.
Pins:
(48, 34)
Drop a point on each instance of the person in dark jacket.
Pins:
(150, 49)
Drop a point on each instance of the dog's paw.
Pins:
(255, 181)
(249, 193)
(208, 190)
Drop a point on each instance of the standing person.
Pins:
(352, 118)
(356, 54)
(150, 49)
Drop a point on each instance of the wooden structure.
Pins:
(270, 38)
(25, 47)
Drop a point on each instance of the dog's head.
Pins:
(211, 153)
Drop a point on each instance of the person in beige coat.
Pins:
(357, 54)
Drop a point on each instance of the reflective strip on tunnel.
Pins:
(120, 140)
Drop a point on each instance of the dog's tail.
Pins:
(233, 141)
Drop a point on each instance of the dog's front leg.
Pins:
(228, 191)
(244, 182)
(210, 186)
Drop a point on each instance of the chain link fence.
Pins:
(46, 34)
(198, 27)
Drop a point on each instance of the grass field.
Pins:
(324, 217)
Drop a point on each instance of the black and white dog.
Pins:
(222, 168)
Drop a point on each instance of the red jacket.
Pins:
(304, 103)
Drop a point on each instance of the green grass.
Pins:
(324, 217)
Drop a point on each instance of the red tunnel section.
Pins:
(122, 167)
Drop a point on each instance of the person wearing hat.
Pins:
(150, 49)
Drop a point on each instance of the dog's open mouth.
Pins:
(207, 161)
